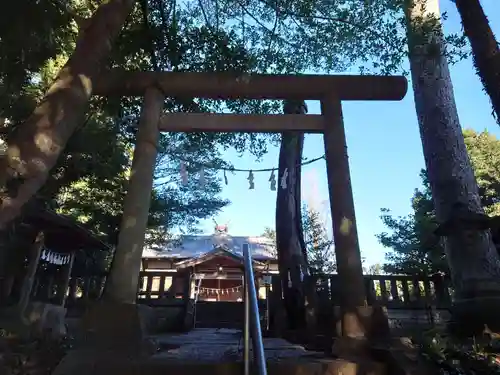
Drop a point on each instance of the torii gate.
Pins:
(330, 90)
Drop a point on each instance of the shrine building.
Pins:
(213, 263)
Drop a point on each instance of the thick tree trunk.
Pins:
(36, 144)
(485, 51)
(473, 260)
(292, 258)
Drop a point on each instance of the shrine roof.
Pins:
(216, 253)
(63, 232)
(261, 248)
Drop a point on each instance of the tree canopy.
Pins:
(211, 35)
(90, 179)
(415, 249)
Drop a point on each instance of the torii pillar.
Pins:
(124, 273)
(357, 322)
(118, 321)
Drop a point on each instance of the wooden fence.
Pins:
(394, 292)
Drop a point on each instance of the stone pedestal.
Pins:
(117, 326)
(45, 318)
(373, 329)
(469, 316)
(372, 321)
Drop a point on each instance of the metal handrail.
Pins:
(252, 320)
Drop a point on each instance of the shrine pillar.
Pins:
(124, 273)
(354, 314)
(62, 292)
(29, 278)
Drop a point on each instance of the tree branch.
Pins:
(81, 22)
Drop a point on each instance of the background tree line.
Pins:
(414, 248)
(318, 242)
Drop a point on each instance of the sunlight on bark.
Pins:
(130, 257)
(86, 83)
(131, 222)
(7, 202)
(352, 325)
(39, 164)
(63, 82)
(345, 226)
(45, 143)
(14, 159)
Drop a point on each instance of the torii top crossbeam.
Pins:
(252, 86)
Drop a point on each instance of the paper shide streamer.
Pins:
(52, 257)
(272, 180)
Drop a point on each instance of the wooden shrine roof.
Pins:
(186, 247)
(218, 252)
(63, 233)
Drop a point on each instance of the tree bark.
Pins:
(471, 255)
(124, 273)
(485, 51)
(292, 260)
(35, 145)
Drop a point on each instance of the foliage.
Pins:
(271, 235)
(36, 356)
(369, 35)
(193, 36)
(27, 41)
(453, 357)
(484, 152)
(320, 251)
(374, 269)
(90, 179)
(414, 247)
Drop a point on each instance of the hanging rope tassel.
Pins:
(250, 181)
(284, 179)
(184, 174)
(272, 180)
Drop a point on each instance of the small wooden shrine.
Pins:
(37, 285)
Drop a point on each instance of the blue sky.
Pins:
(384, 151)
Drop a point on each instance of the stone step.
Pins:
(112, 363)
(289, 367)
(218, 324)
(211, 352)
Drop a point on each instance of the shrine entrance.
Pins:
(329, 90)
(217, 276)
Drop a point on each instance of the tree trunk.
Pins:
(290, 245)
(485, 51)
(471, 255)
(35, 145)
